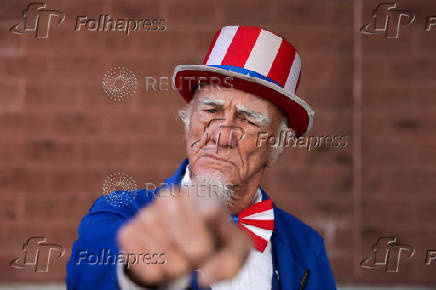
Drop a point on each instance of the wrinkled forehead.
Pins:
(233, 98)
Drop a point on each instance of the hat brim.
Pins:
(299, 113)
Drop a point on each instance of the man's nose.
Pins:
(226, 135)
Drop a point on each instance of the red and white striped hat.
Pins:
(256, 61)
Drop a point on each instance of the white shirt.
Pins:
(256, 273)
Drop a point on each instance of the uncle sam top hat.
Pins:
(256, 61)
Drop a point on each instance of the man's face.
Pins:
(222, 135)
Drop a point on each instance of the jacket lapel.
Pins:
(290, 270)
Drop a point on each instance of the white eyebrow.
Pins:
(210, 102)
(262, 119)
(258, 117)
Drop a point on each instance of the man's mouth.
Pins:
(216, 158)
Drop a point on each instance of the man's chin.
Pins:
(213, 173)
(224, 174)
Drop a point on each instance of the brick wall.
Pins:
(60, 136)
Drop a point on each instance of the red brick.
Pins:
(11, 44)
(403, 70)
(83, 181)
(144, 124)
(390, 212)
(86, 69)
(17, 178)
(33, 67)
(50, 150)
(77, 123)
(326, 72)
(321, 14)
(321, 99)
(12, 10)
(105, 151)
(150, 152)
(11, 151)
(10, 209)
(135, 9)
(17, 123)
(194, 13)
(54, 207)
(50, 94)
(12, 98)
(239, 13)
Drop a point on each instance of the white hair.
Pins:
(185, 115)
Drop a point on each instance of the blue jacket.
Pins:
(299, 257)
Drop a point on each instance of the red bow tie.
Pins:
(257, 221)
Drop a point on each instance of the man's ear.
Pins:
(273, 160)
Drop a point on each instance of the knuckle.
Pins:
(199, 249)
(176, 266)
(152, 274)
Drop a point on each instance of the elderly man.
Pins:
(186, 235)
